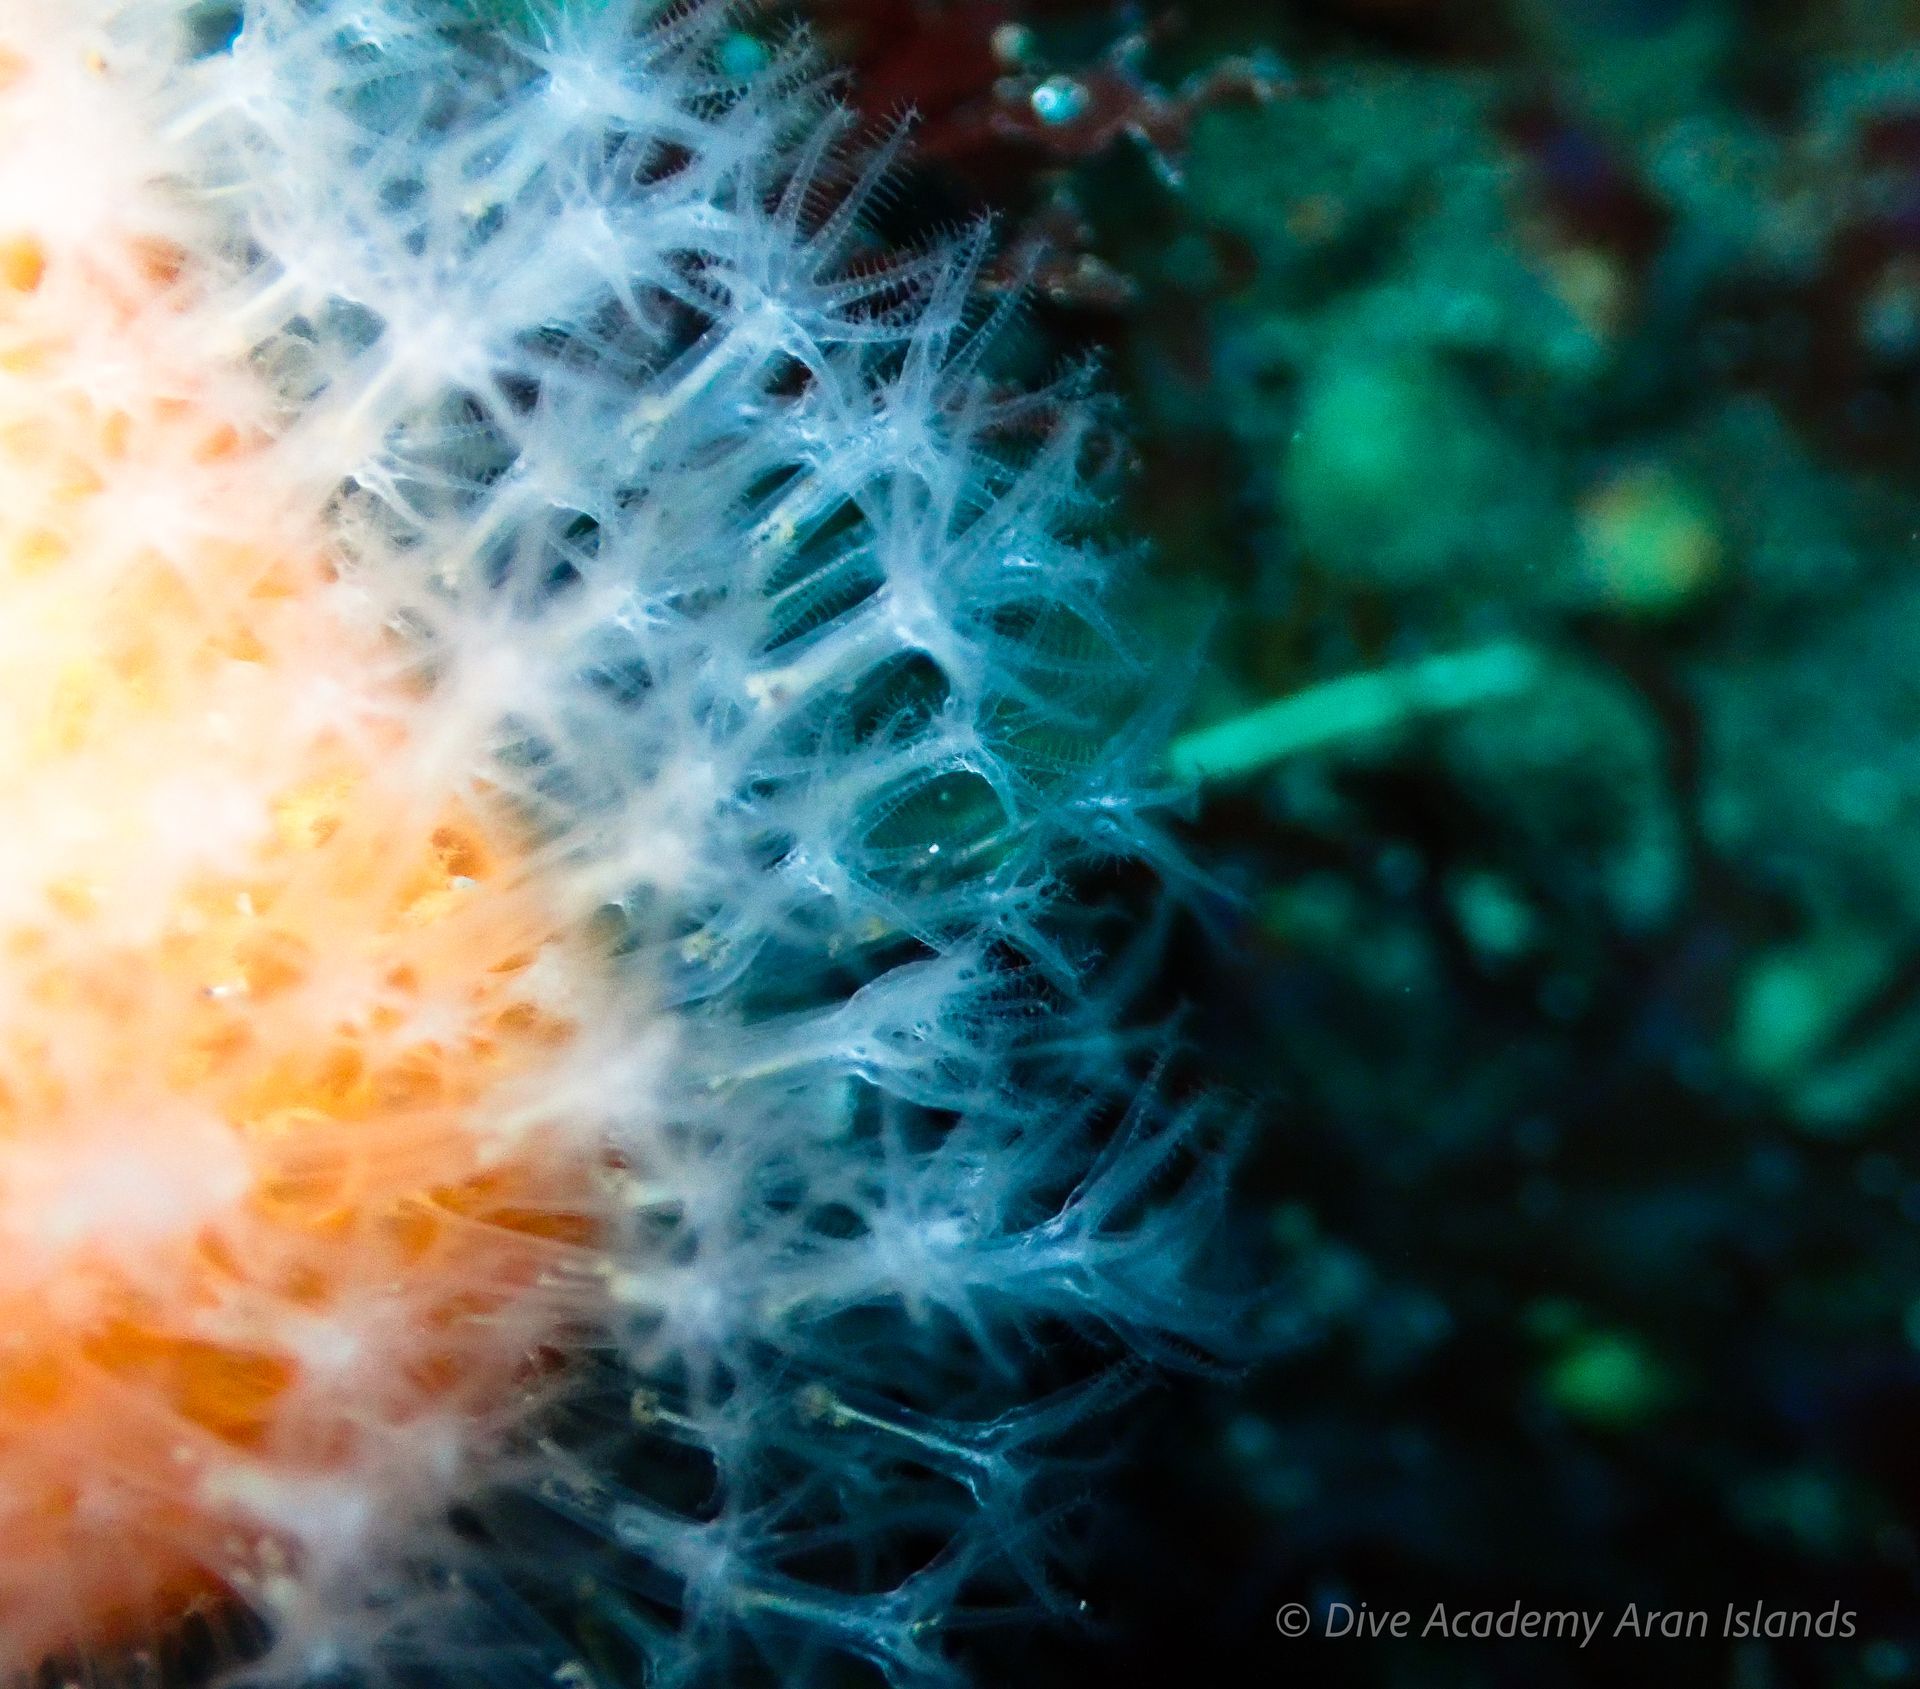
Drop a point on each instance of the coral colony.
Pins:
(548, 1112)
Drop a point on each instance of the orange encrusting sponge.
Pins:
(284, 1228)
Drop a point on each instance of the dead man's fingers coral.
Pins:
(547, 700)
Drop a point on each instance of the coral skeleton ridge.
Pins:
(546, 701)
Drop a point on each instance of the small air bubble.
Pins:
(1012, 45)
(742, 55)
(1060, 100)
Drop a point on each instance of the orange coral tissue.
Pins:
(282, 1224)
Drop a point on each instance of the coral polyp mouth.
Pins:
(282, 1216)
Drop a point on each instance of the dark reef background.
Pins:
(1526, 403)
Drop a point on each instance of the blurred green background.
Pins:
(1523, 407)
